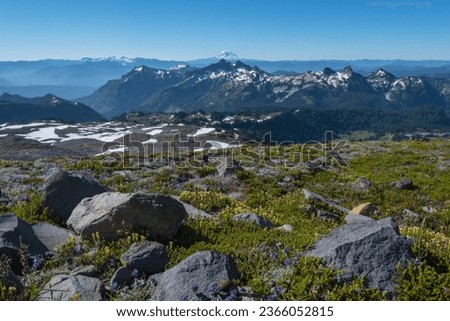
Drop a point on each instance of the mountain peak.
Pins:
(227, 55)
(328, 71)
(347, 70)
(222, 64)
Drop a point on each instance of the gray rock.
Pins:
(429, 209)
(404, 183)
(63, 191)
(121, 277)
(245, 293)
(196, 213)
(87, 270)
(13, 231)
(285, 228)
(408, 214)
(110, 213)
(318, 198)
(198, 278)
(356, 218)
(146, 256)
(51, 235)
(67, 288)
(310, 210)
(327, 216)
(252, 218)
(370, 249)
(362, 184)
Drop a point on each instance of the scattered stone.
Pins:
(370, 249)
(316, 197)
(429, 209)
(355, 218)
(362, 184)
(227, 168)
(121, 277)
(63, 191)
(310, 210)
(72, 288)
(404, 183)
(245, 293)
(327, 216)
(444, 165)
(200, 277)
(146, 256)
(366, 209)
(285, 228)
(13, 232)
(51, 235)
(109, 213)
(410, 214)
(252, 218)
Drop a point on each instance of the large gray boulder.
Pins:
(109, 214)
(75, 287)
(370, 249)
(13, 231)
(198, 278)
(63, 191)
(146, 256)
(51, 235)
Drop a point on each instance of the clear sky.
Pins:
(189, 29)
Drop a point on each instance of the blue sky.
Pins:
(189, 29)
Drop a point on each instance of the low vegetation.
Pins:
(272, 261)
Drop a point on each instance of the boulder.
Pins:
(146, 256)
(370, 249)
(109, 214)
(404, 183)
(51, 235)
(196, 213)
(253, 219)
(200, 277)
(121, 277)
(68, 288)
(366, 209)
(63, 191)
(13, 231)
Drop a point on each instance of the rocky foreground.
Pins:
(227, 233)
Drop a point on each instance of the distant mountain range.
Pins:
(15, 108)
(76, 78)
(227, 86)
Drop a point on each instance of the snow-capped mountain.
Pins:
(227, 55)
(226, 85)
